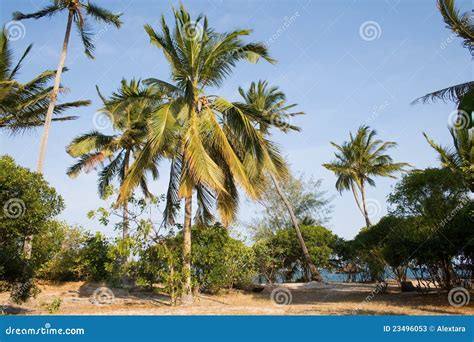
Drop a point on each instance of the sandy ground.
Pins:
(77, 298)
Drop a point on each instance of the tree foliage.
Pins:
(29, 204)
(310, 205)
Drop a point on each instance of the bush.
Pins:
(218, 261)
(95, 258)
(281, 256)
(58, 251)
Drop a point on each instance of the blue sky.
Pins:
(340, 75)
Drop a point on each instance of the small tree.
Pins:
(310, 206)
(280, 255)
(439, 202)
(28, 205)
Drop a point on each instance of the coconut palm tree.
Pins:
(23, 106)
(204, 160)
(78, 13)
(113, 154)
(358, 161)
(273, 111)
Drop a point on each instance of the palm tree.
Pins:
(462, 25)
(460, 158)
(358, 161)
(78, 11)
(273, 111)
(204, 161)
(23, 106)
(94, 149)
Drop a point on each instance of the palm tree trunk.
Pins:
(364, 205)
(125, 219)
(356, 197)
(187, 295)
(54, 94)
(315, 275)
(125, 222)
(28, 243)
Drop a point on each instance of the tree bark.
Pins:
(364, 205)
(315, 275)
(125, 222)
(126, 280)
(28, 243)
(187, 295)
(356, 197)
(54, 95)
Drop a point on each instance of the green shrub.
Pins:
(280, 255)
(54, 306)
(58, 251)
(218, 260)
(95, 257)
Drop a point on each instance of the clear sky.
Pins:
(345, 63)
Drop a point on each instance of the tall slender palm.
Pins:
(204, 159)
(270, 104)
(78, 13)
(358, 161)
(94, 149)
(23, 106)
(75, 10)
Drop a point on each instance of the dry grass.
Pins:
(331, 299)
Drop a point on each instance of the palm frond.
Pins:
(47, 11)
(104, 15)
(451, 94)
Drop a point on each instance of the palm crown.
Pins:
(24, 106)
(200, 126)
(360, 160)
(271, 104)
(270, 110)
(94, 148)
(80, 11)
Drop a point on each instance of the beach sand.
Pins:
(77, 298)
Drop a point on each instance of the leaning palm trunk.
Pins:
(364, 206)
(125, 223)
(315, 275)
(54, 95)
(187, 295)
(28, 244)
